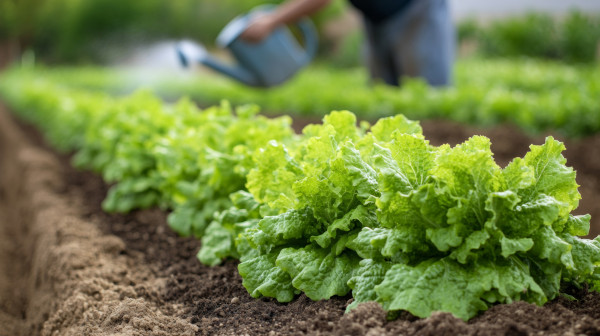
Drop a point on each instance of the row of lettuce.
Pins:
(374, 210)
(537, 96)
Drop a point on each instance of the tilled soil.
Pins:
(67, 268)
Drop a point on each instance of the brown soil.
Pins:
(61, 273)
(67, 268)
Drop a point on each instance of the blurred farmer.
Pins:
(413, 38)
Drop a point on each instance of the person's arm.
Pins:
(286, 13)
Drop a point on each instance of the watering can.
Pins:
(266, 63)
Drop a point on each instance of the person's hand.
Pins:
(259, 28)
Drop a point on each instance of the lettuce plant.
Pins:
(413, 226)
(118, 144)
(206, 158)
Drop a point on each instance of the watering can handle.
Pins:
(311, 40)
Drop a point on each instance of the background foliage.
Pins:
(574, 38)
(75, 30)
(61, 31)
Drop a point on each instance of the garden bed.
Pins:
(68, 268)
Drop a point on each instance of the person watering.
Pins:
(412, 38)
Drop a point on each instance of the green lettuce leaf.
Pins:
(444, 285)
(369, 275)
(319, 273)
(262, 277)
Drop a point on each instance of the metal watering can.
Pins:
(266, 63)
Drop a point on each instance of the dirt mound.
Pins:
(67, 268)
(59, 274)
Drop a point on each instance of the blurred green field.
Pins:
(75, 31)
(536, 95)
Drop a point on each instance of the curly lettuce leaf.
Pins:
(262, 277)
(319, 273)
(367, 276)
(444, 285)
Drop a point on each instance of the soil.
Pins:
(67, 268)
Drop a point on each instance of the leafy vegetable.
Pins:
(414, 226)
(373, 210)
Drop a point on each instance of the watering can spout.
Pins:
(190, 53)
